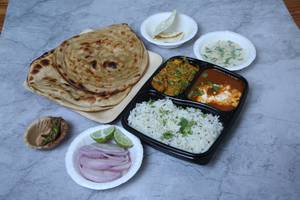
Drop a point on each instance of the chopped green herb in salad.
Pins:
(224, 53)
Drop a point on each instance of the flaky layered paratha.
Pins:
(44, 79)
(103, 62)
(85, 91)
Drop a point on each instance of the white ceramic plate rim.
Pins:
(246, 44)
(149, 38)
(137, 150)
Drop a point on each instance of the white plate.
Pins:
(250, 52)
(136, 155)
(182, 23)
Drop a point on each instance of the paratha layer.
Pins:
(45, 80)
(83, 87)
(104, 61)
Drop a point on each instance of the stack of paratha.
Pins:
(90, 72)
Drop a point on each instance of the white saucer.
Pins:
(136, 155)
(250, 52)
(183, 23)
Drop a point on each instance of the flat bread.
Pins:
(104, 61)
(45, 79)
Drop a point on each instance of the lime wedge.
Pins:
(121, 139)
(102, 136)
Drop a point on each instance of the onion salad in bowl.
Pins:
(103, 157)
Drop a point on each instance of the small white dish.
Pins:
(182, 23)
(136, 155)
(212, 37)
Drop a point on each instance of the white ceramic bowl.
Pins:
(250, 52)
(136, 155)
(182, 23)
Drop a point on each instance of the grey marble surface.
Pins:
(261, 158)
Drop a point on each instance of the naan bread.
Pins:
(104, 61)
(45, 79)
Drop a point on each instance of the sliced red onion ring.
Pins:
(99, 176)
(111, 149)
(119, 158)
(95, 153)
(100, 164)
(91, 152)
(103, 162)
(121, 168)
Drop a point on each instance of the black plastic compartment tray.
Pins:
(227, 118)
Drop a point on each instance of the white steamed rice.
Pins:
(154, 118)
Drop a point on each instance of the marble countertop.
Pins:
(260, 159)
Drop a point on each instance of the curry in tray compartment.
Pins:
(174, 78)
(217, 89)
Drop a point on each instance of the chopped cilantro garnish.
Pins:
(185, 126)
(194, 72)
(151, 102)
(197, 92)
(171, 82)
(163, 112)
(209, 83)
(204, 75)
(184, 84)
(216, 87)
(178, 72)
(167, 135)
